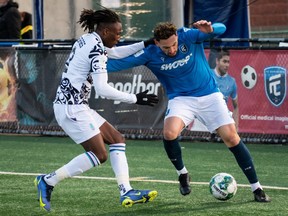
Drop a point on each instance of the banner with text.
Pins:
(261, 78)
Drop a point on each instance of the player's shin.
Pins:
(174, 153)
(245, 162)
(76, 166)
(120, 166)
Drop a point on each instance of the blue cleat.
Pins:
(44, 192)
(137, 196)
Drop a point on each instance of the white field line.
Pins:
(139, 179)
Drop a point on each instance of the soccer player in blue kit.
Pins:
(225, 82)
(178, 61)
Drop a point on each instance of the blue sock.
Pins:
(173, 150)
(244, 160)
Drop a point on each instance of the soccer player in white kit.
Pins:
(86, 66)
(178, 61)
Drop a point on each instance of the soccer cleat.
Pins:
(184, 180)
(137, 196)
(260, 196)
(44, 192)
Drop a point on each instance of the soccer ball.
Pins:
(223, 186)
(248, 77)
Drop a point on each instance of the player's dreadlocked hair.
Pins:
(90, 19)
(164, 30)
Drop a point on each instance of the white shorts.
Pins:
(78, 121)
(211, 110)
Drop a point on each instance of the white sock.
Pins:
(255, 186)
(76, 166)
(182, 171)
(120, 166)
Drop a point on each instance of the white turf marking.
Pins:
(140, 179)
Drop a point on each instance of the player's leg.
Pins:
(243, 157)
(217, 116)
(82, 128)
(117, 146)
(178, 116)
(222, 120)
(78, 165)
(171, 130)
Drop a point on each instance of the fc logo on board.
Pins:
(275, 84)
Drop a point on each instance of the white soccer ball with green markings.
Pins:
(223, 186)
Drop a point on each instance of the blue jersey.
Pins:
(185, 74)
(227, 86)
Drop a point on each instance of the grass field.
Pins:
(96, 193)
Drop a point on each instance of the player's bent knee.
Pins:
(169, 135)
(232, 141)
(116, 138)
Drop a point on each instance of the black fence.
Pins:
(34, 71)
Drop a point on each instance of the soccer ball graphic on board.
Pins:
(248, 77)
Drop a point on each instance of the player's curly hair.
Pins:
(164, 30)
(90, 19)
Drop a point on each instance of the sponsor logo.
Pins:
(176, 64)
(275, 84)
(135, 86)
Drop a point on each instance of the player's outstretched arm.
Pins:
(207, 27)
(207, 31)
(103, 89)
(124, 51)
(203, 26)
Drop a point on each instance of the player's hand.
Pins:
(149, 41)
(146, 99)
(203, 26)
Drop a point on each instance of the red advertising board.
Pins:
(261, 78)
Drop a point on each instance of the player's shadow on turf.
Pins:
(221, 204)
(177, 208)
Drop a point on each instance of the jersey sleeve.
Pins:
(98, 62)
(139, 58)
(103, 89)
(124, 51)
(197, 36)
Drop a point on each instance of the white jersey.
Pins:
(85, 66)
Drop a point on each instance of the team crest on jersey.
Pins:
(183, 48)
(275, 84)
